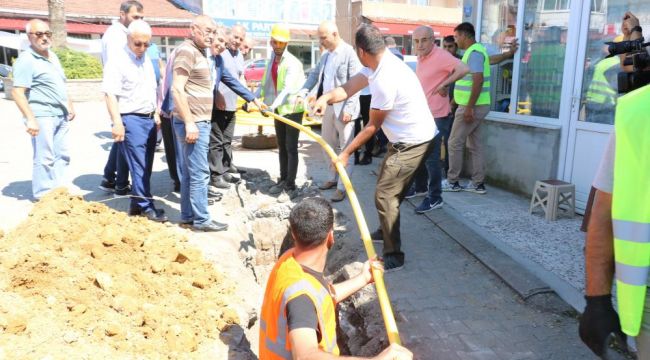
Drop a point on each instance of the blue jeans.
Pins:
(192, 160)
(138, 149)
(51, 156)
(116, 169)
(429, 176)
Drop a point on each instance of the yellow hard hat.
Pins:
(281, 32)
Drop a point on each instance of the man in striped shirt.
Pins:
(192, 87)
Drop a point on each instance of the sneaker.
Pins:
(411, 193)
(426, 205)
(214, 192)
(393, 263)
(123, 191)
(211, 226)
(453, 187)
(107, 186)
(476, 188)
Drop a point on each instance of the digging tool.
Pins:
(384, 301)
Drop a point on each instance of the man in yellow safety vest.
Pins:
(282, 79)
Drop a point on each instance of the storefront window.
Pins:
(543, 47)
(600, 80)
(497, 31)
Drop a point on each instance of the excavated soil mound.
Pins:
(80, 280)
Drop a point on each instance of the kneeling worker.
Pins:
(298, 314)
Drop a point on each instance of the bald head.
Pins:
(35, 23)
(237, 35)
(39, 35)
(328, 34)
(423, 40)
(202, 31)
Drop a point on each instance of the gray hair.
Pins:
(28, 27)
(139, 27)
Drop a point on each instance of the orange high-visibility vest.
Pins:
(286, 282)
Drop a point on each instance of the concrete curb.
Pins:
(524, 276)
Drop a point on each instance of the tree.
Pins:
(57, 22)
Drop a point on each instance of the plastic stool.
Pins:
(550, 195)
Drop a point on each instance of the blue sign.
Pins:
(195, 6)
(467, 11)
(254, 28)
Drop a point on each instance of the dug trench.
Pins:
(80, 278)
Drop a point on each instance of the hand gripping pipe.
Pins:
(384, 301)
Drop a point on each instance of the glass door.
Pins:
(595, 88)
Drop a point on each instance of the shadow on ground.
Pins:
(21, 190)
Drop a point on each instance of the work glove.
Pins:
(598, 322)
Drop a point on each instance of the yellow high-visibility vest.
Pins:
(463, 87)
(631, 206)
(286, 282)
(294, 84)
(600, 91)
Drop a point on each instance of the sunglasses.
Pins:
(40, 34)
(141, 44)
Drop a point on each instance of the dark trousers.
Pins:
(287, 137)
(116, 169)
(221, 134)
(364, 103)
(395, 176)
(138, 149)
(429, 175)
(170, 147)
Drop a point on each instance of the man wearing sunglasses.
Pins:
(130, 88)
(40, 93)
(116, 171)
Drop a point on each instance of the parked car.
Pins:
(254, 70)
(5, 70)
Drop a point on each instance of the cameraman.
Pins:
(621, 216)
(631, 31)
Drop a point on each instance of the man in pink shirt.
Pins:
(436, 70)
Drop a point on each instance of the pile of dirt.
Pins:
(80, 278)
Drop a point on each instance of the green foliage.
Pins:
(78, 64)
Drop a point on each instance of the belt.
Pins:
(145, 115)
(399, 146)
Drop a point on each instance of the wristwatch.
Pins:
(637, 28)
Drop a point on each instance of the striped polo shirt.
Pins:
(199, 83)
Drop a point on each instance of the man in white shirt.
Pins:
(400, 108)
(116, 171)
(337, 65)
(130, 87)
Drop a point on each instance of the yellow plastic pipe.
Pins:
(382, 294)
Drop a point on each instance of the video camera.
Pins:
(638, 57)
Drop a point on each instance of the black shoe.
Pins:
(231, 179)
(234, 170)
(366, 159)
(213, 194)
(377, 235)
(220, 182)
(211, 226)
(107, 186)
(177, 187)
(123, 191)
(393, 262)
(157, 215)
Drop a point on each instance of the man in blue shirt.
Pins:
(40, 94)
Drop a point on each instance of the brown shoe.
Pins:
(338, 196)
(327, 185)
